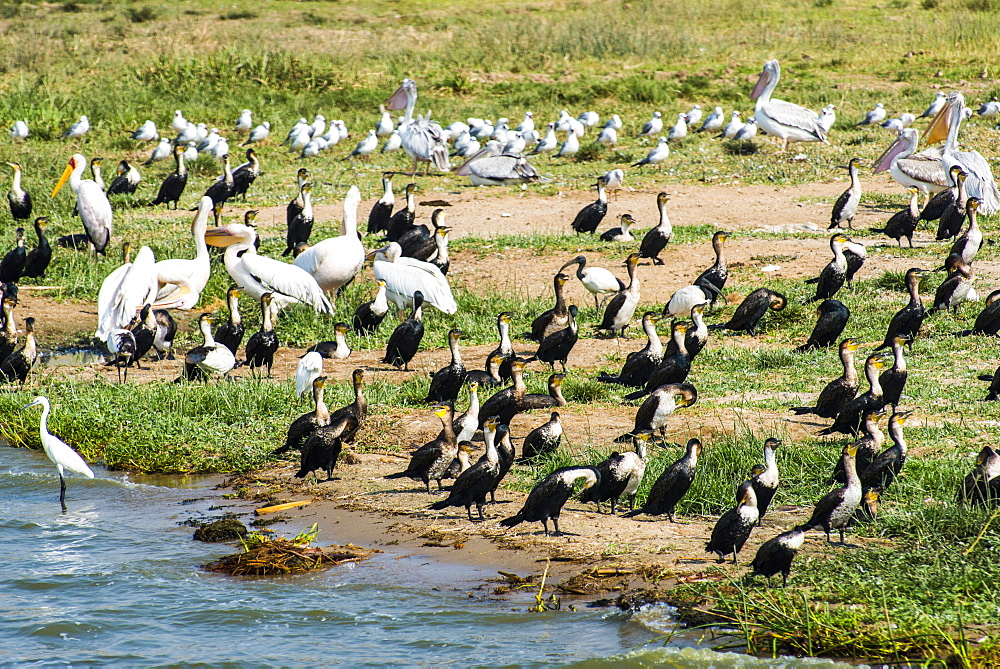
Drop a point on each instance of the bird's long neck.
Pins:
(505, 346)
(179, 159)
(441, 241)
(490, 437)
(206, 332)
(769, 459)
(855, 181)
(914, 209)
(951, 143)
(871, 373)
(633, 278)
(448, 425)
(720, 253)
(913, 286)
(456, 355)
(380, 305)
(851, 471)
(411, 205)
(267, 325)
(360, 401)
(899, 362)
(602, 196)
(10, 328)
(653, 344)
(664, 226)
(896, 434)
(678, 336)
(838, 254)
(387, 195)
(198, 228)
(341, 340)
(43, 424)
(850, 374)
(519, 386)
(640, 448)
(16, 186)
(234, 309)
(560, 307)
(227, 172)
(322, 413)
(307, 207)
(474, 401)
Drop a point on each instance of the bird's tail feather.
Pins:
(513, 520)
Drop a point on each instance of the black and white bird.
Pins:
(733, 529)
(847, 204)
(904, 222)
(656, 239)
(547, 498)
(653, 414)
(126, 181)
(621, 474)
(588, 218)
(834, 275)
(381, 212)
(543, 440)
(672, 484)
(405, 339)
(775, 555)
(836, 508)
(621, 308)
(18, 198)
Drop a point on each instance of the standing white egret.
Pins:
(310, 368)
(257, 274)
(422, 140)
(980, 182)
(78, 129)
(61, 455)
(784, 120)
(91, 202)
(336, 261)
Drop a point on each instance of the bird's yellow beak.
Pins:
(65, 175)
(220, 237)
(938, 129)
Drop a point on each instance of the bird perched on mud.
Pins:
(543, 440)
(621, 475)
(672, 484)
(733, 529)
(833, 276)
(836, 508)
(547, 498)
(656, 239)
(447, 381)
(472, 485)
(588, 218)
(323, 448)
(658, 407)
(430, 462)
(847, 204)
(554, 319)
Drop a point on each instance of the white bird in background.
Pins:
(201, 132)
(905, 120)
(456, 130)
(567, 122)
(62, 456)
(245, 121)
(693, 116)
(209, 142)
(423, 141)
(257, 274)
(310, 368)
(78, 129)
(734, 126)
(19, 130)
(385, 126)
(570, 147)
(394, 143)
(366, 146)
(483, 130)
(146, 132)
(989, 109)
(614, 122)
(489, 167)
(124, 292)
(179, 123)
(548, 142)
(318, 126)
(515, 144)
(315, 145)
(299, 126)
(259, 134)
(713, 121)
(589, 118)
(657, 154)
(334, 262)
(935, 106)
(191, 152)
(188, 133)
(405, 276)
(180, 281)
(679, 130)
(875, 116)
(784, 120)
(342, 129)
(653, 126)
(219, 149)
(827, 117)
(91, 203)
(608, 135)
(614, 179)
(597, 280)
(332, 134)
(300, 139)
(527, 124)
(162, 151)
(748, 131)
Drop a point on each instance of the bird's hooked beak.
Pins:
(397, 100)
(938, 129)
(65, 176)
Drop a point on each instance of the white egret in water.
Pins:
(61, 455)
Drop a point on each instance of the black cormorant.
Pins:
(557, 346)
(847, 204)
(431, 461)
(833, 276)
(166, 329)
(505, 349)
(672, 484)
(954, 290)
(15, 367)
(358, 408)
(588, 218)
(405, 339)
(508, 402)
(904, 222)
(776, 554)
(506, 453)
(994, 379)
(369, 315)
(907, 321)
(126, 181)
(447, 381)
(733, 529)
(418, 242)
(543, 440)
(968, 245)
(953, 217)
(546, 500)
(886, 466)
(13, 262)
(714, 278)
(18, 198)
(832, 319)
(868, 446)
(220, 191)
(618, 314)
(303, 426)
(639, 365)
(836, 508)
(472, 485)
(657, 238)
(554, 319)
(144, 332)
(378, 218)
(661, 403)
(245, 175)
(752, 309)
(976, 488)
(402, 221)
(263, 344)
(855, 253)
(937, 205)
(230, 334)
(299, 218)
(673, 368)
(8, 335)
(894, 380)
(173, 186)
(848, 419)
(38, 258)
(322, 448)
(490, 377)
(621, 474)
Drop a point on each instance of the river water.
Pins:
(115, 580)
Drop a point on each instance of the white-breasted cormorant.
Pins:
(775, 555)
(506, 454)
(431, 461)
(558, 345)
(378, 217)
(490, 377)
(357, 408)
(662, 402)
(696, 336)
(904, 222)
(405, 339)
(935, 207)
(8, 335)
(832, 316)
(765, 484)
(886, 466)
(246, 174)
(907, 321)
(220, 191)
(338, 349)
(847, 204)
(126, 181)
(18, 198)
(144, 332)
(836, 508)
(836, 394)
(639, 365)
(508, 402)
(166, 329)
(543, 440)
(618, 314)
(955, 289)
(504, 349)
(832, 278)
(733, 529)
(369, 315)
(893, 380)
(447, 381)
(38, 258)
(849, 418)
(976, 488)
(621, 233)
(554, 319)
(672, 484)
(969, 243)
(953, 217)
(262, 346)
(621, 474)
(675, 365)
(554, 398)
(988, 320)
(656, 239)
(323, 447)
(588, 218)
(230, 334)
(714, 278)
(467, 424)
(472, 485)
(547, 498)
(17, 365)
(868, 446)
(299, 219)
(210, 358)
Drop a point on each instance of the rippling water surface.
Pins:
(115, 580)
